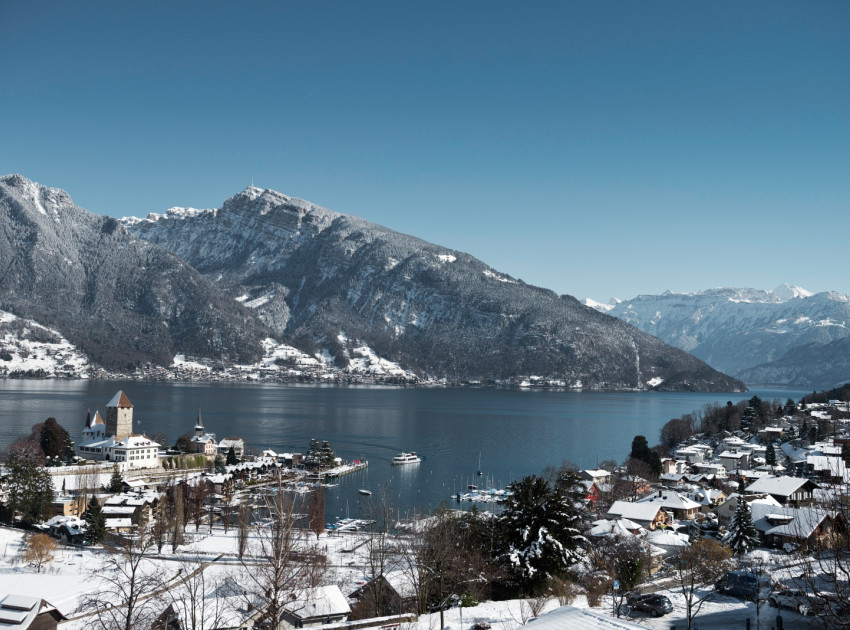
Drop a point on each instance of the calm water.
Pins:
(514, 433)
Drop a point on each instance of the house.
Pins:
(682, 508)
(806, 526)
(718, 470)
(395, 591)
(735, 460)
(319, 606)
(726, 510)
(238, 445)
(24, 612)
(792, 491)
(572, 618)
(591, 491)
(599, 476)
(647, 515)
(708, 499)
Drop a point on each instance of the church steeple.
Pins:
(199, 425)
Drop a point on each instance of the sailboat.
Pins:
(479, 463)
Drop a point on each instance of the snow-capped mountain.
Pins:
(120, 300)
(326, 281)
(28, 349)
(735, 330)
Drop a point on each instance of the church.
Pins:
(114, 440)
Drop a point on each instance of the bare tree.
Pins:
(316, 511)
(124, 598)
(698, 566)
(189, 599)
(279, 569)
(39, 549)
(244, 526)
(178, 522)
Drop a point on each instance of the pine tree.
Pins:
(743, 534)
(770, 455)
(231, 457)
(116, 482)
(96, 521)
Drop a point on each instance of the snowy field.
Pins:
(73, 574)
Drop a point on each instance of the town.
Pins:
(739, 516)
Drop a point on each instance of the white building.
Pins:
(114, 440)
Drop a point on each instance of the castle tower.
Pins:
(119, 416)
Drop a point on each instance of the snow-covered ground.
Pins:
(30, 348)
(73, 573)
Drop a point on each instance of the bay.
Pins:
(513, 432)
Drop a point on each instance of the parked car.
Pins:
(799, 601)
(745, 585)
(652, 603)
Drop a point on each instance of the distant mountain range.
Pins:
(787, 336)
(213, 284)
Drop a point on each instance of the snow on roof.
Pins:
(120, 400)
(670, 499)
(780, 486)
(634, 511)
(322, 601)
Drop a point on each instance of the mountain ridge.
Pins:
(315, 275)
(738, 330)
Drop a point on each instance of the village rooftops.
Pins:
(780, 486)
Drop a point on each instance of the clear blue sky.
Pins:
(597, 149)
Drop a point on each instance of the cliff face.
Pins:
(121, 300)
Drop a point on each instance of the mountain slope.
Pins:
(812, 365)
(121, 300)
(319, 278)
(735, 330)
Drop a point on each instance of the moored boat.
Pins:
(365, 491)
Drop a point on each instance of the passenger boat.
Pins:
(365, 491)
(406, 458)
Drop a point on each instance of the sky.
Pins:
(597, 149)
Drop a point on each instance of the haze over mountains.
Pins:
(268, 265)
(787, 336)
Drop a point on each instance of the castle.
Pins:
(114, 440)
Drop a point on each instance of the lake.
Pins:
(512, 432)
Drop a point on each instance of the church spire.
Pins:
(199, 425)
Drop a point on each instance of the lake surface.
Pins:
(513, 432)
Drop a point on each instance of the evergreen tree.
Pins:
(29, 485)
(219, 464)
(540, 532)
(96, 520)
(790, 407)
(845, 453)
(231, 457)
(743, 535)
(116, 482)
(742, 485)
(56, 442)
(770, 455)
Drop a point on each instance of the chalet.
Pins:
(807, 527)
(718, 470)
(681, 507)
(28, 613)
(791, 491)
(395, 590)
(647, 515)
(320, 606)
(708, 499)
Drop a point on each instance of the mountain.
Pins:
(121, 300)
(810, 365)
(325, 281)
(735, 330)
